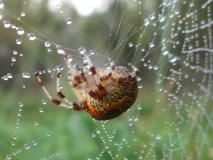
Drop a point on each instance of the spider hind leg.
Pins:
(63, 102)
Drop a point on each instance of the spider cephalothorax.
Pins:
(103, 93)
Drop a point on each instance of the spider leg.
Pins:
(100, 89)
(63, 96)
(92, 79)
(68, 104)
(60, 94)
(75, 73)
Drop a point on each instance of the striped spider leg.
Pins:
(62, 101)
(87, 81)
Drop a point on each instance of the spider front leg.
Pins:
(63, 102)
(90, 81)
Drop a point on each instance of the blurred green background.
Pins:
(155, 127)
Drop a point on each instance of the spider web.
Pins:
(170, 42)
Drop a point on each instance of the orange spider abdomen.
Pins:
(115, 102)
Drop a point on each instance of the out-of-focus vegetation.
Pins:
(71, 133)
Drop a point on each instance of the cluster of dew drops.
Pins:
(20, 31)
(49, 45)
(31, 36)
(34, 142)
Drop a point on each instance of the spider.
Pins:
(103, 93)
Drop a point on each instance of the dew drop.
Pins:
(41, 109)
(48, 135)
(18, 42)
(138, 78)
(98, 132)
(165, 53)
(158, 137)
(130, 44)
(1, 5)
(31, 36)
(26, 75)
(82, 50)
(162, 18)
(34, 143)
(6, 24)
(15, 52)
(91, 52)
(47, 44)
(93, 135)
(26, 146)
(69, 59)
(146, 23)
(14, 137)
(13, 143)
(130, 124)
(20, 30)
(140, 87)
(13, 26)
(60, 51)
(13, 59)
(36, 123)
(8, 157)
(20, 104)
(151, 45)
(23, 14)
(155, 68)
(5, 78)
(173, 60)
(153, 17)
(49, 50)
(68, 21)
(136, 119)
(43, 101)
(139, 108)
(9, 75)
(142, 50)
(85, 62)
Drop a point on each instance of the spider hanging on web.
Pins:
(103, 93)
